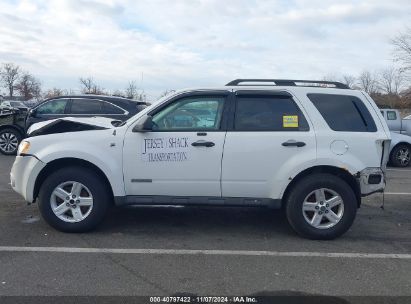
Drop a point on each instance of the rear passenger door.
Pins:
(84, 107)
(269, 136)
(347, 132)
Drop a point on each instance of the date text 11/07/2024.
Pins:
(205, 299)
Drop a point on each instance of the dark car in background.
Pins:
(117, 108)
(13, 104)
(14, 123)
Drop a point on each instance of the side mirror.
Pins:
(145, 126)
(32, 112)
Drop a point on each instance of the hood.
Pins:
(71, 124)
(5, 113)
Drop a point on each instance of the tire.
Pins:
(9, 141)
(80, 213)
(400, 155)
(334, 190)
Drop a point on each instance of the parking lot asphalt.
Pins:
(206, 251)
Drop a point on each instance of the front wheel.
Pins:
(9, 141)
(321, 206)
(73, 200)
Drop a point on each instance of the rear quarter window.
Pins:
(344, 112)
(109, 108)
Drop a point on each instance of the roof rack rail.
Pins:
(288, 83)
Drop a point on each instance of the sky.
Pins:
(173, 44)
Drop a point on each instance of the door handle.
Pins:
(203, 143)
(293, 143)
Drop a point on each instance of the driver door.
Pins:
(182, 155)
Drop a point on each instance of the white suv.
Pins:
(314, 148)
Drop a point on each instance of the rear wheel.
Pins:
(9, 141)
(74, 199)
(400, 155)
(321, 206)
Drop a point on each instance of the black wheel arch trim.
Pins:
(339, 172)
(15, 127)
(65, 163)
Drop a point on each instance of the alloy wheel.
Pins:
(71, 202)
(323, 208)
(403, 156)
(8, 142)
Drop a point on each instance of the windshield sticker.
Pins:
(290, 121)
(165, 149)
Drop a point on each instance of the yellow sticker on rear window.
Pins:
(290, 121)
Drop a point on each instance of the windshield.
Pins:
(16, 104)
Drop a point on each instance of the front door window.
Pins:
(190, 114)
(53, 107)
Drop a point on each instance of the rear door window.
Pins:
(86, 106)
(268, 113)
(344, 112)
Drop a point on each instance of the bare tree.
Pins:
(142, 96)
(402, 48)
(329, 77)
(391, 80)
(118, 93)
(88, 84)
(28, 86)
(90, 87)
(349, 80)
(407, 98)
(9, 74)
(131, 90)
(54, 92)
(368, 82)
(168, 92)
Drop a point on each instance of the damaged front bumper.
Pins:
(23, 175)
(371, 180)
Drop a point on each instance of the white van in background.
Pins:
(396, 123)
(400, 150)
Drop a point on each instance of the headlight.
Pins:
(24, 147)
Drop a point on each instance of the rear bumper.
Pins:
(371, 180)
(23, 175)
